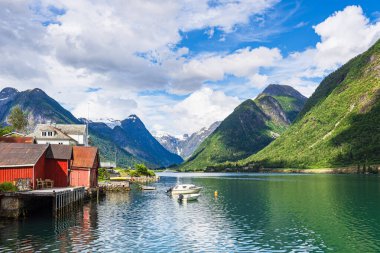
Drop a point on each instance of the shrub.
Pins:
(151, 173)
(134, 173)
(141, 170)
(7, 187)
(103, 174)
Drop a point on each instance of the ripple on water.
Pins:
(252, 214)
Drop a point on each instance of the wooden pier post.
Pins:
(54, 208)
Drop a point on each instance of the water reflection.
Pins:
(267, 213)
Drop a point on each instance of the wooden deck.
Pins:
(62, 198)
(51, 191)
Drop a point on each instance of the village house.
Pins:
(66, 134)
(63, 165)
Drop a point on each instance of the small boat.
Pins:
(147, 188)
(184, 189)
(188, 197)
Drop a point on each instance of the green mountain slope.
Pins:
(340, 123)
(249, 128)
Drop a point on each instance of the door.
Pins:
(74, 178)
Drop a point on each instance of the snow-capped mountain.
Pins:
(185, 145)
(110, 122)
(132, 136)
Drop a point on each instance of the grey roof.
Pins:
(72, 128)
(18, 154)
(56, 151)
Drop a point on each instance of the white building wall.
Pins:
(64, 142)
(80, 138)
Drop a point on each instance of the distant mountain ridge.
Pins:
(249, 128)
(132, 137)
(37, 103)
(187, 144)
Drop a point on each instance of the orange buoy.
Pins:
(216, 194)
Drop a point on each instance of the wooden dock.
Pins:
(62, 198)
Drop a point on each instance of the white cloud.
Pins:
(201, 108)
(244, 62)
(125, 47)
(344, 35)
(225, 15)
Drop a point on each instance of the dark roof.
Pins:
(57, 151)
(84, 157)
(12, 139)
(20, 154)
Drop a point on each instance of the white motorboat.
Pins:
(188, 197)
(147, 188)
(185, 189)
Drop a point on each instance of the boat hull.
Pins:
(188, 197)
(187, 191)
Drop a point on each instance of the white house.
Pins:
(66, 134)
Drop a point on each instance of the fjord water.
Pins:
(256, 212)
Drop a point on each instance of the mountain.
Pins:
(112, 123)
(339, 125)
(185, 146)
(102, 137)
(42, 109)
(249, 128)
(132, 137)
(37, 103)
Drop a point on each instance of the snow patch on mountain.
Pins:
(185, 145)
(110, 122)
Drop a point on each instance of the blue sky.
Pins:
(288, 26)
(178, 65)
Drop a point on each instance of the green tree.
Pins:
(141, 169)
(103, 174)
(5, 130)
(18, 119)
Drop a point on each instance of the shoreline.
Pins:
(374, 169)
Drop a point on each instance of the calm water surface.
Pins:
(256, 212)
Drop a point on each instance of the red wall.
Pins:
(39, 168)
(57, 170)
(79, 177)
(10, 174)
(94, 177)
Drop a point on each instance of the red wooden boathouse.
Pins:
(58, 162)
(18, 160)
(84, 169)
(65, 165)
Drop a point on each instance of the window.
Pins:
(43, 133)
(50, 133)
